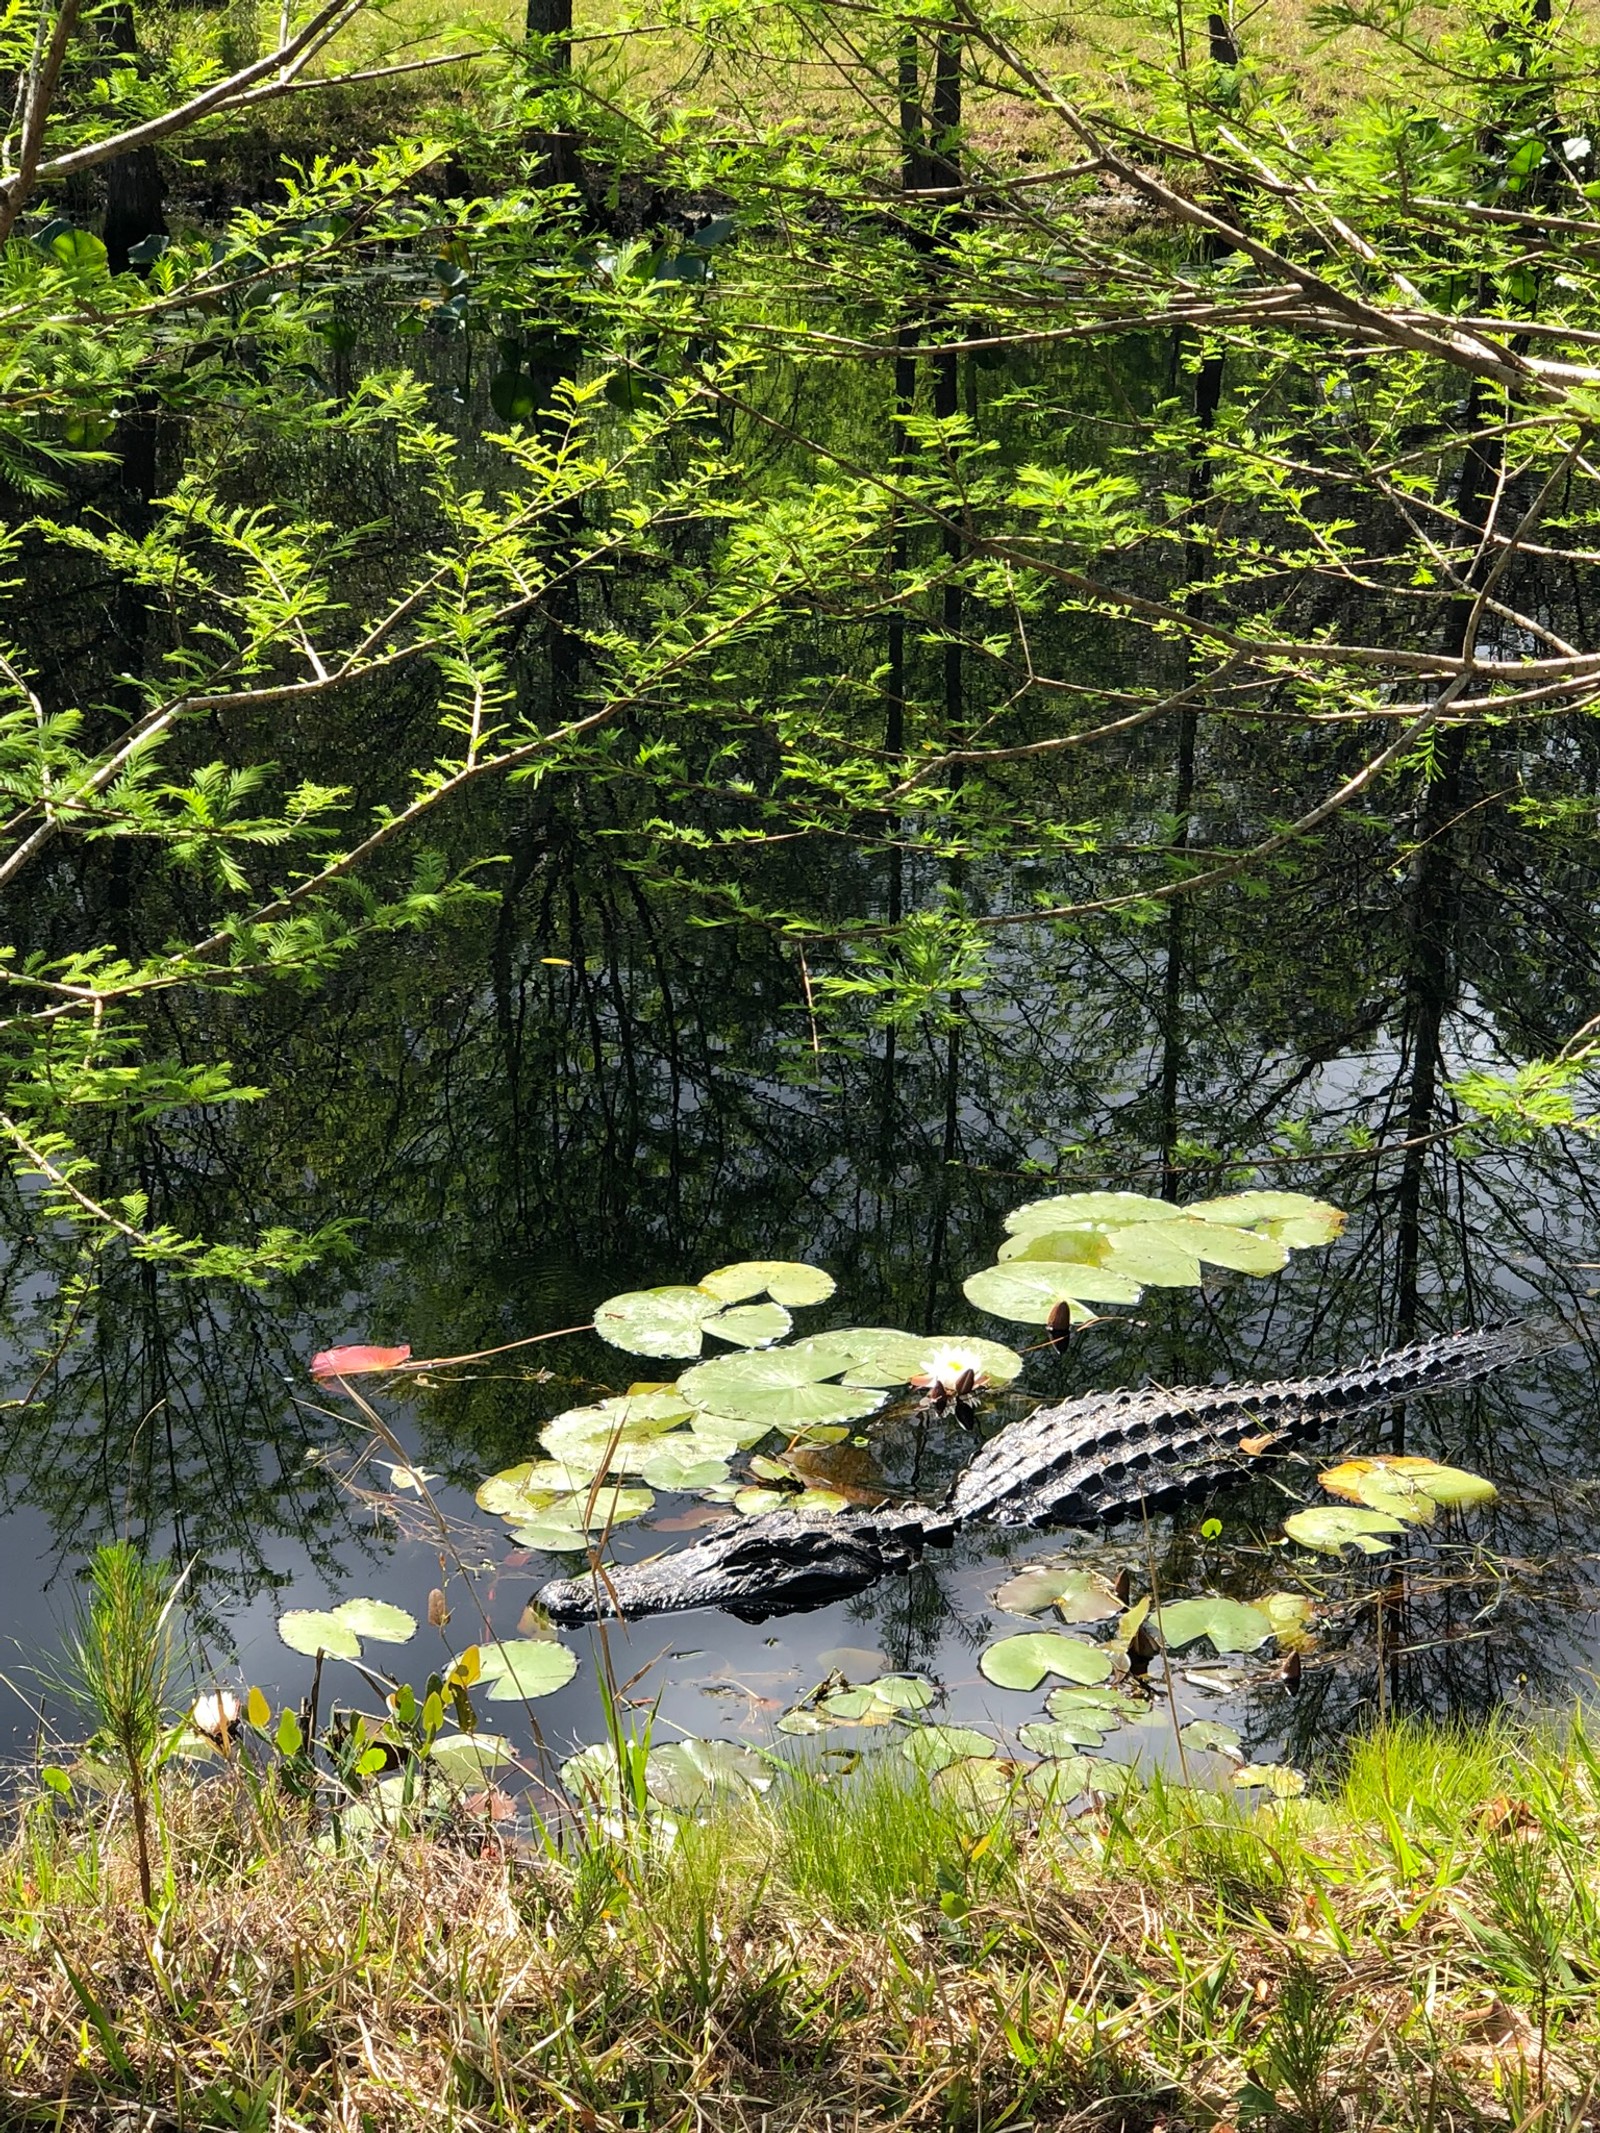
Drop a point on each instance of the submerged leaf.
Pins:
(1330, 1527)
(1023, 1662)
(1232, 1625)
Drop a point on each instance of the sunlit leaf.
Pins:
(1291, 1218)
(1063, 1736)
(1023, 1662)
(666, 1466)
(686, 1772)
(1407, 1488)
(590, 1776)
(932, 1747)
(257, 1710)
(352, 1362)
(1232, 1625)
(470, 1760)
(980, 1784)
(1209, 1733)
(525, 1667)
(755, 1325)
(1076, 1595)
(756, 1503)
(886, 1358)
(786, 1281)
(1278, 1778)
(1160, 1253)
(827, 1502)
(1065, 1209)
(665, 1321)
(1290, 1616)
(1100, 1705)
(1028, 1292)
(1062, 1778)
(782, 1387)
(581, 1434)
(1330, 1527)
(376, 1618)
(305, 1629)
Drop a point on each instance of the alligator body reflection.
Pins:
(1092, 1459)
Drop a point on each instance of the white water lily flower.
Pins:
(216, 1716)
(946, 1366)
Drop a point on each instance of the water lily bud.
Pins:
(438, 1608)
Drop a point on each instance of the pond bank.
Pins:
(1415, 1946)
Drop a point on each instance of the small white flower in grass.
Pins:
(216, 1716)
(947, 1365)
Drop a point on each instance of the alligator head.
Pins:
(754, 1567)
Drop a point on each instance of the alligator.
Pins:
(1089, 1460)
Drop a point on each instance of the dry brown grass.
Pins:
(1369, 1961)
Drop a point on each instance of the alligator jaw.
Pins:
(777, 1564)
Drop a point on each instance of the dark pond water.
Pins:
(574, 1091)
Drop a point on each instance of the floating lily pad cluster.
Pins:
(680, 1775)
(1383, 1497)
(511, 1672)
(604, 1464)
(1088, 1248)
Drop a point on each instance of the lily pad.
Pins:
(1023, 1662)
(526, 1667)
(1062, 1778)
(1104, 1706)
(1210, 1733)
(1331, 1527)
(470, 1760)
(1076, 1595)
(376, 1619)
(666, 1321)
(1162, 1254)
(1062, 1736)
(306, 1629)
(981, 1784)
(1111, 1208)
(676, 1470)
(1029, 1291)
(786, 1281)
(934, 1747)
(1292, 1218)
(1232, 1625)
(687, 1772)
(1277, 1778)
(590, 1776)
(751, 1325)
(782, 1387)
(826, 1501)
(581, 1434)
(1290, 1616)
(756, 1503)
(1411, 1489)
(886, 1358)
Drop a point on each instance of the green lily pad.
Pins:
(666, 1321)
(1411, 1489)
(580, 1435)
(687, 1772)
(886, 1358)
(1062, 1778)
(933, 1747)
(308, 1630)
(782, 1387)
(678, 1470)
(1076, 1595)
(376, 1619)
(719, 1436)
(827, 1501)
(786, 1281)
(1063, 1736)
(1290, 1616)
(1331, 1527)
(1209, 1733)
(1065, 1209)
(1277, 1778)
(470, 1760)
(906, 1692)
(1028, 1292)
(1113, 1706)
(857, 1707)
(1161, 1254)
(756, 1503)
(1232, 1625)
(590, 1776)
(525, 1667)
(751, 1325)
(1292, 1218)
(981, 1784)
(1023, 1662)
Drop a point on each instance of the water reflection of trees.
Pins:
(575, 1092)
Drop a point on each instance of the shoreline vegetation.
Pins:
(1414, 1944)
